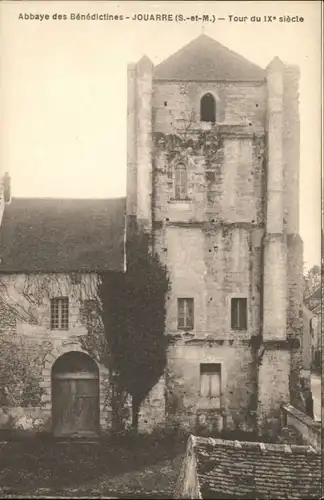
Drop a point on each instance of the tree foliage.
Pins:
(133, 311)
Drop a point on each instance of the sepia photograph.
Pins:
(161, 230)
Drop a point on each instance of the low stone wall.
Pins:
(32, 420)
(29, 419)
(307, 428)
(187, 485)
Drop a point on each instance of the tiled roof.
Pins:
(62, 235)
(315, 293)
(317, 309)
(205, 59)
(233, 469)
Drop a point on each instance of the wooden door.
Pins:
(75, 404)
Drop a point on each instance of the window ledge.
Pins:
(176, 200)
(206, 125)
(180, 204)
(209, 398)
(205, 403)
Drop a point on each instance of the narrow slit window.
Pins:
(208, 108)
(181, 181)
(238, 314)
(60, 313)
(185, 314)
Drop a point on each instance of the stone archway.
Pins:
(75, 395)
(46, 382)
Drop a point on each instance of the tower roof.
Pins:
(204, 59)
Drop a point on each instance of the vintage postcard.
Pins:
(160, 249)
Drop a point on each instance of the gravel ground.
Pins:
(141, 469)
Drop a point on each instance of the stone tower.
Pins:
(213, 165)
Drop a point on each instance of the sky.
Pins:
(63, 88)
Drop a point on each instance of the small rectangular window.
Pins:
(60, 313)
(239, 314)
(210, 380)
(185, 314)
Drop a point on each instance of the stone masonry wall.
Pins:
(210, 242)
(295, 316)
(185, 406)
(281, 360)
(225, 171)
(291, 153)
(227, 185)
(152, 414)
(291, 147)
(273, 389)
(31, 347)
(174, 103)
(213, 241)
(212, 265)
(139, 135)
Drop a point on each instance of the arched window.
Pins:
(180, 182)
(208, 108)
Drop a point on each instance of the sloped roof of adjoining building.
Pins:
(205, 59)
(233, 469)
(314, 299)
(62, 235)
(315, 293)
(317, 309)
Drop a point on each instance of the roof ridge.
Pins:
(257, 445)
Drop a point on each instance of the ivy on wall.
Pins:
(124, 316)
(22, 300)
(20, 373)
(94, 341)
(199, 143)
(23, 296)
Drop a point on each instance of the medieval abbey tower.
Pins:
(213, 174)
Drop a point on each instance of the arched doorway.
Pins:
(75, 396)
